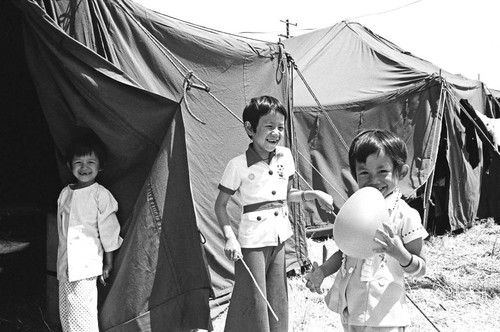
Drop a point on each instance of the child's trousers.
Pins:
(78, 305)
(248, 310)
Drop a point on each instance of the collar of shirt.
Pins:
(392, 200)
(253, 157)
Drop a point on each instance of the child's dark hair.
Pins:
(376, 141)
(260, 106)
(84, 145)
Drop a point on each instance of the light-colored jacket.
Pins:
(87, 227)
(371, 292)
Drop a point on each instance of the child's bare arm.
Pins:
(107, 266)
(325, 200)
(416, 264)
(319, 273)
(232, 248)
(409, 255)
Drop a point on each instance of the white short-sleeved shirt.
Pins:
(262, 189)
(87, 227)
(370, 292)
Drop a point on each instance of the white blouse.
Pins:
(87, 227)
(262, 190)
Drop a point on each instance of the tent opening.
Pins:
(29, 181)
(438, 222)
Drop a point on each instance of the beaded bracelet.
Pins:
(411, 261)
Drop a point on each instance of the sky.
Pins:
(461, 37)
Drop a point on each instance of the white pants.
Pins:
(78, 305)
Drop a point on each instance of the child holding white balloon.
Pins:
(262, 178)
(369, 294)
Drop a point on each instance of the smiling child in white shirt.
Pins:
(262, 179)
(88, 231)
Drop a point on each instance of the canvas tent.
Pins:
(350, 79)
(166, 97)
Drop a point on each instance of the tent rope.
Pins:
(224, 106)
(184, 71)
(291, 61)
(318, 103)
(170, 56)
(188, 75)
(322, 176)
(178, 64)
(185, 87)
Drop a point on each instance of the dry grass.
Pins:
(460, 292)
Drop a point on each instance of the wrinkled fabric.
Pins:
(166, 98)
(363, 81)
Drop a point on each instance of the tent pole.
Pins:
(427, 198)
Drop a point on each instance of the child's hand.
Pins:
(106, 270)
(390, 242)
(315, 279)
(325, 201)
(232, 249)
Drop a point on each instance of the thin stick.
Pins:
(416, 306)
(258, 288)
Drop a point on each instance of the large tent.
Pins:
(166, 97)
(349, 79)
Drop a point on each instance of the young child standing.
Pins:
(88, 232)
(262, 177)
(369, 294)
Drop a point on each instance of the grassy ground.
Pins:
(459, 293)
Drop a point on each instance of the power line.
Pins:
(384, 12)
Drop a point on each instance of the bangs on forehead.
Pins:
(368, 147)
(83, 151)
(275, 113)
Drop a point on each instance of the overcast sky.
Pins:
(458, 36)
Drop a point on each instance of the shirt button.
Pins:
(276, 213)
(259, 218)
(273, 192)
(270, 172)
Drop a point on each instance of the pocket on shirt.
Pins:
(252, 221)
(257, 216)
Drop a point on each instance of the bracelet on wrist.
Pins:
(303, 196)
(411, 261)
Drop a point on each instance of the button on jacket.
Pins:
(262, 189)
(377, 299)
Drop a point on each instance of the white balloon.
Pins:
(358, 220)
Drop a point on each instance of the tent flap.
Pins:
(122, 71)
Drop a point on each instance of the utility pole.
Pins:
(287, 23)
